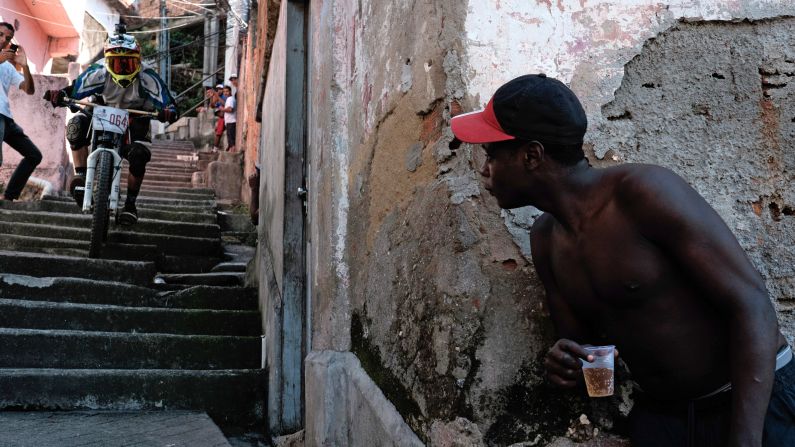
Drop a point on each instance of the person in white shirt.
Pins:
(230, 118)
(12, 57)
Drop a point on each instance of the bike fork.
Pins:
(91, 170)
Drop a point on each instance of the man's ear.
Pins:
(533, 154)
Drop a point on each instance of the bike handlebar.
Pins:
(91, 104)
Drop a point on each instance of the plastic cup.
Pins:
(598, 374)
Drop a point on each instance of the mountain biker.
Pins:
(122, 83)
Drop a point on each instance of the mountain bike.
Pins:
(109, 133)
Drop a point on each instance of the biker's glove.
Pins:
(55, 97)
(167, 115)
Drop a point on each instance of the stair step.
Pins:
(228, 396)
(184, 184)
(230, 267)
(26, 314)
(188, 264)
(78, 290)
(42, 265)
(77, 248)
(110, 428)
(35, 348)
(166, 193)
(207, 279)
(202, 206)
(65, 205)
(168, 243)
(83, 221)
(248, 238)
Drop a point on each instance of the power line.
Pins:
(199, 40)
(193, 4)
(36, 18)
(191, 23)
(72, 27)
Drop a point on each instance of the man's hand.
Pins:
(21, 59)
(55, 97)
(7, 55)
(563, 365)
(167, 115)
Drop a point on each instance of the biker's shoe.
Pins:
(128, 216)
(77, 180)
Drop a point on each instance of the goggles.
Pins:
(123, 65)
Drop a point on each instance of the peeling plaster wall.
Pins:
(410, 270)
(419, 273)
(727, 124)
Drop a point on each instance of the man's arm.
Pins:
(227, 107)
(21, 59)
(676, 218)
(562, 360)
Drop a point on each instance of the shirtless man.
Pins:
(631, 255)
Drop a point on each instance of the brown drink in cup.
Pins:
(599, 378)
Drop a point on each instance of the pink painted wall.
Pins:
(30, 35)
(45, 127)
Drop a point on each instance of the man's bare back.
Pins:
(632, 290)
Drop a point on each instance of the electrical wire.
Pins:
(194, 15)
(192, 4)
(165, 29)
(186, 9)
(200, 40)
(36, 18)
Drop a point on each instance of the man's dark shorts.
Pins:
(664, 424)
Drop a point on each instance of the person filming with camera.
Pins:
(12, 59)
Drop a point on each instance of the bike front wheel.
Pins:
(101, 215)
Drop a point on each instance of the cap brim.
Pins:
(474, 127)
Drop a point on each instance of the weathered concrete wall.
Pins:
(270, 249)
(420, 274)
(45, 126)
(425, 284)
(727, 124)
(346, 408)
(256, 56)
(271, 158)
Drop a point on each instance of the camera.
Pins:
(13, 47)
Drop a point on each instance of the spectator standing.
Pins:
(10, 132)
(233, 81)
(230, 118)
(217, 103)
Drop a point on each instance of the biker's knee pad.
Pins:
(138, 155)
(77, 131)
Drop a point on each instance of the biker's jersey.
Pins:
(147, 92)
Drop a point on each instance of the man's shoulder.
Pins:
(7, 70)
(90, 82)
(633, 178)
(647, 190)
(150, 73)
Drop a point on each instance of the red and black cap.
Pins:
(530, 107)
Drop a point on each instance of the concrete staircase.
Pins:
(162, 322)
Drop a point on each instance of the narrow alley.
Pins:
(163, 322)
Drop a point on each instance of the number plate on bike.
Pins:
(110, 119)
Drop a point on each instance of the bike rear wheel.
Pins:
(101, 215)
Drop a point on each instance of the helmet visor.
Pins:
(123, 65)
